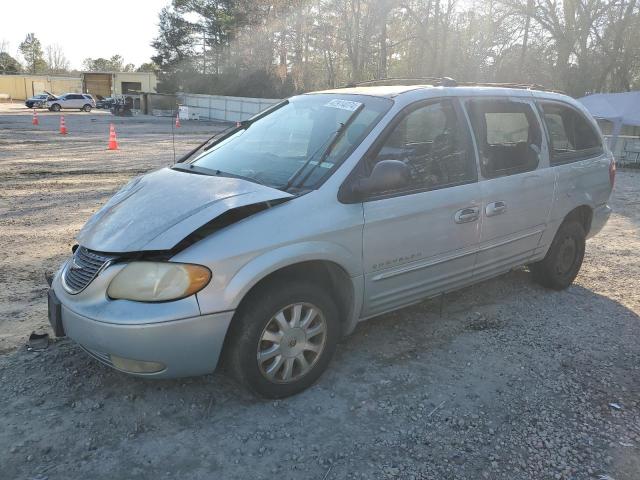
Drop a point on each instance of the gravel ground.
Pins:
(503, 380)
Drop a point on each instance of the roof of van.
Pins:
(391, 91)
(377, 91)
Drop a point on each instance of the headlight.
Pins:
(158, 281)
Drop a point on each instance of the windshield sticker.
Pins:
(344, 104)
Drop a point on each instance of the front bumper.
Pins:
(174, 334)
(186, 347)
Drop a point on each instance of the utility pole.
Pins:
(525, 38)
(204, 50)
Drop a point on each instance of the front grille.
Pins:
(83, 267)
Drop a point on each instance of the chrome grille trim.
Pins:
(82, 268)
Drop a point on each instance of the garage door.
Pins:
(97, 84)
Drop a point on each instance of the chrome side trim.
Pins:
(454, 256)
(511, 240)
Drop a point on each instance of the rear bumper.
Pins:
(600, 216)
(186, 347)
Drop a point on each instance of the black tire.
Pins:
(55, 107)
(562, 263)
(251, 321)
(86, 108)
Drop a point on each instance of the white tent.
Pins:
(619, 108)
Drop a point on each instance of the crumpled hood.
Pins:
(157, 210)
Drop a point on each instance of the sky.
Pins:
(84, 29)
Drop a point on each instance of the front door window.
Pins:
(432, 143)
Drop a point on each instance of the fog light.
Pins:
(136, 366)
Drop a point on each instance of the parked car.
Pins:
(38, 101)
(106, 103)
(80, 101)
(266, 245)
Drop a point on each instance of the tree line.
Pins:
(279, 47)
(52, 60)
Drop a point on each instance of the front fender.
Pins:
(262, 265)
(270, 261)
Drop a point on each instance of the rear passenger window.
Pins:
(508, 136)
(506, 127)
(434, 144)
(571, 135)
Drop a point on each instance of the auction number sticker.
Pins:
(343, 104)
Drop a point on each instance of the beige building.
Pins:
(21, 87)
(105, 84)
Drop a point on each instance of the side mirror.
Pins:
(387, 175)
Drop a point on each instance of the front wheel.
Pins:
(562, 263)
(282, 338)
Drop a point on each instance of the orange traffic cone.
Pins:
(63, 127)
(35, 118)
(178, 121)
(113, 143)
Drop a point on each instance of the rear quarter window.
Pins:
(571, 135)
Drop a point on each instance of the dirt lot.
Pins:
(505, 381)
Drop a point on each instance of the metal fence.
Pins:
(218, 107)
(626, 150)
(160, 104)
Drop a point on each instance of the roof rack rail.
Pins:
(449, 82)
(523, 86)
(435, 81)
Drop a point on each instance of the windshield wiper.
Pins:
(220, 173)
(331, 142)
(197, 170)
(324, 144)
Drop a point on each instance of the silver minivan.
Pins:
(268, 243)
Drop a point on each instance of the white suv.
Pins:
(269, 242)
(80, 101)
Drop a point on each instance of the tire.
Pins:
(562, 263)
(86, 108)
(55, 107)
(255, 325)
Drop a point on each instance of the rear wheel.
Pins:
(55, 107)
(562, 263)
(86, 108)
(282, 338)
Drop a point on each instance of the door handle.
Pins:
(495, 208)
(467, 214)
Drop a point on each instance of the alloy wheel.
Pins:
(291, 343)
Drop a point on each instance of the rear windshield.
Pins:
(300, 143)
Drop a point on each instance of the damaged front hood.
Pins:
(156, 211)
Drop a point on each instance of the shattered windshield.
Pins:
(299, 143)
